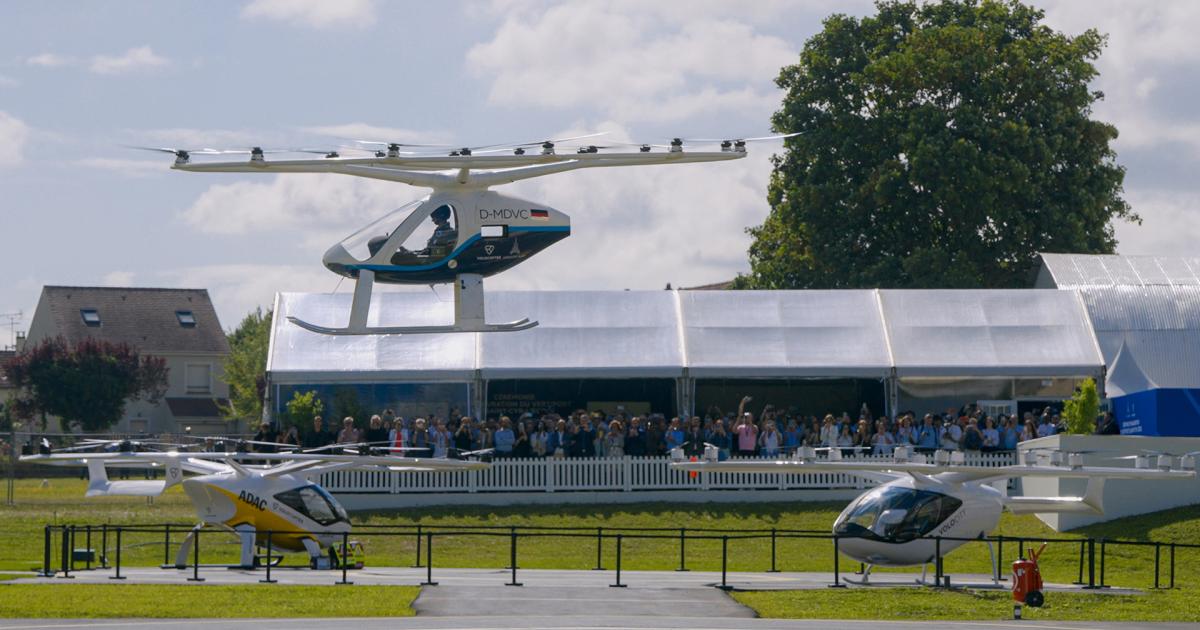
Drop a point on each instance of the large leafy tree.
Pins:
(86, 384)
(942, 145)
(246, 369)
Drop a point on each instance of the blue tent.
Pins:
(1163, 412)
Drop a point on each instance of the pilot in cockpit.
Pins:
(443, 238)
(444, 235)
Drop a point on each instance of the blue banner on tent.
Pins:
(1162, 412)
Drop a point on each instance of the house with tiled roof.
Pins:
(179, 325)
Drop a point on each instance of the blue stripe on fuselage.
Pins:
(458, 250)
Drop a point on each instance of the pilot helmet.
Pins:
(442, 213)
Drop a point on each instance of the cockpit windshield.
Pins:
(897, 515)
(429, 233)
(315, 503)
(357, 244)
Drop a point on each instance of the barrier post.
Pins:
(342, 559)
(724, 563)
(117, 575)
(773, 569)
(196, 557)
(87, 542)
(618, 584)
(512, 531)
(513, 557)
(937, 561)
(599, 549)
(72, 548)
(1001, 574)
(268, 580)
(418, 563)
(1079, 580)
(1103, 554)
(837, 571)
(1157, 562)
(1172, 566)
(429, 561)
(167, 545)
(104, 546)
(682, 543)
(66, 553)
(1091, 546)
(46, 552)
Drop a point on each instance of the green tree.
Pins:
(246, 369)
(1080, 410)
(942, 145)
(86, 385)
(303, 407)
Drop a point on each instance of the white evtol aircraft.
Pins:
(897, 522)
(249, 493)
(462, 231)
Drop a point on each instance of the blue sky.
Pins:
(80, 79)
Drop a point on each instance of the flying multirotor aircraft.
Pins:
(462, 231)
(897, 523)
(249, 493)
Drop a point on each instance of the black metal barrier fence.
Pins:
(1093, 552)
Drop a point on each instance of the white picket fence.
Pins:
(627, 474)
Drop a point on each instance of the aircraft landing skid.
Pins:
(468, 313)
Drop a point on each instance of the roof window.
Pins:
(90, 316)
(186, 319)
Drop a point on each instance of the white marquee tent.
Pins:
(688, 335)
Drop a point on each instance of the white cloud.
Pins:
(13, 135)
(8, 82)
(50, 60)
(366, 131)
(325, 207)
(1169, 226)
(632, 61)
(641, 227)
(1147, 43)
(189, 138)
(118, 279)
(238, 289)
(132, 60)
(314, 13)
(128, 168)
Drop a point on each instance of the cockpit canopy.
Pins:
(314, 502)
(895, 514)
(416, 233)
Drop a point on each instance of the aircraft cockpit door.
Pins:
(428, 235)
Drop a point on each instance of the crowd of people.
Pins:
(769, 433)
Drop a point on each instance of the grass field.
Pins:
(85, 601)
(908, 604)
(62, 502)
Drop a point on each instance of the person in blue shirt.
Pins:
(504, 438)
(791, 437)
(674, 435)
(1009, 436)
(927, 435)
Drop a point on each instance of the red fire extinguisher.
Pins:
(1027, 581)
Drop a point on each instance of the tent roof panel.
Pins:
(784, 333)
(1018, 332)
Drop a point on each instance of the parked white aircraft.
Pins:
(249, 493)
(897, 522)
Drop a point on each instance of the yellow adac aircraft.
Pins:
(250, 493)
